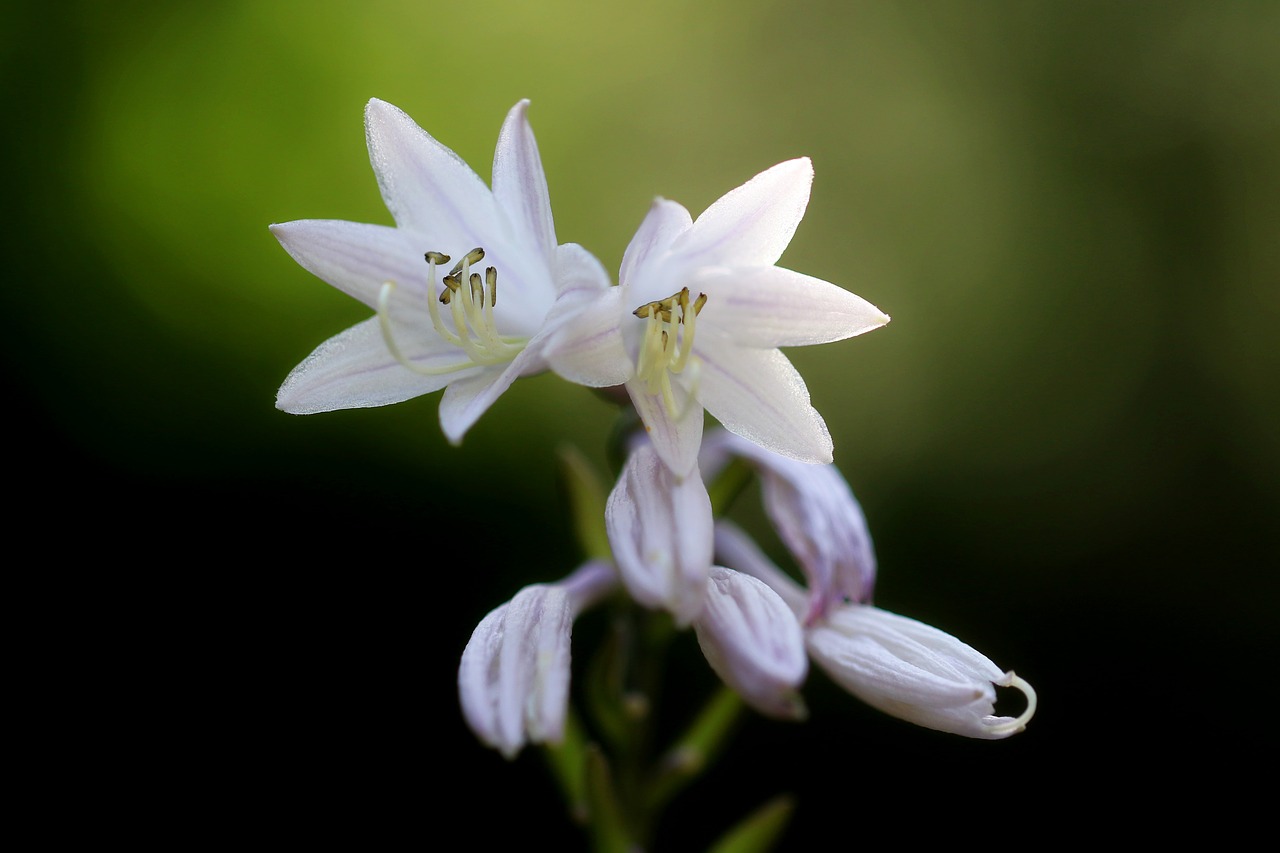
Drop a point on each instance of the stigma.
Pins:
(471, 300)
(667, 346)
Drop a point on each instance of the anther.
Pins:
(451, 285)
(667, 347)
(473, 257)
(474, 329)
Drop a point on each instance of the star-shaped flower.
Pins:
(433, 278)
(698, 318)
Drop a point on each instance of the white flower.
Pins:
(754, 643)
(439, 325)
(513, 680)
(898, 665)
(699, 314)
(660, 530)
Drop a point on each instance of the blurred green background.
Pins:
(1067, 441)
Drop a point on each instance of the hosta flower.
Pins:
(698, 318)
(915, 672)
(465, 287)
(513, 680)
(754, 643)
(898, 665)
(660, 530)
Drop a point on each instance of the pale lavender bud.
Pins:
(660, 530)
(915, 672)
(513, 681)
(754, 643)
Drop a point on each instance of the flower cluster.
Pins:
(694, 325)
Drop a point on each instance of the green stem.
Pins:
(701, 744)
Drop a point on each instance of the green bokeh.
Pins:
(1069, 209)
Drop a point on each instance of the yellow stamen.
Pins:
(667, 346)
(474, 329)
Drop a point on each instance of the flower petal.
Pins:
(579, 272)
(775, 307)
(915, 672)
(355, 257)
(513, 680)
(754, 223)
(520, 184)
(427, 188)
(665, 221)
(660, 530)
(676, 436)
(587, 347)
(754, 643)
(466, 399)
(759, 395)
(354, 370)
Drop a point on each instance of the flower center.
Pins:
(668, 343)
(471, 301)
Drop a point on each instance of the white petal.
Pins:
(665, 221)
(774, 307)
(754, 223)
(759, 395)
(660, 530)
(676, 436)
(914, 671)
(519, 183)
(428, 188)
(754, 643)
(465, 400)
(587, 347)
(355, 257)
(578, 271)
(513, 680)
(354, 370)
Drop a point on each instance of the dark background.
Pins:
(1066, 441)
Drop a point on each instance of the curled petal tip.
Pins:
(1005, 726)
